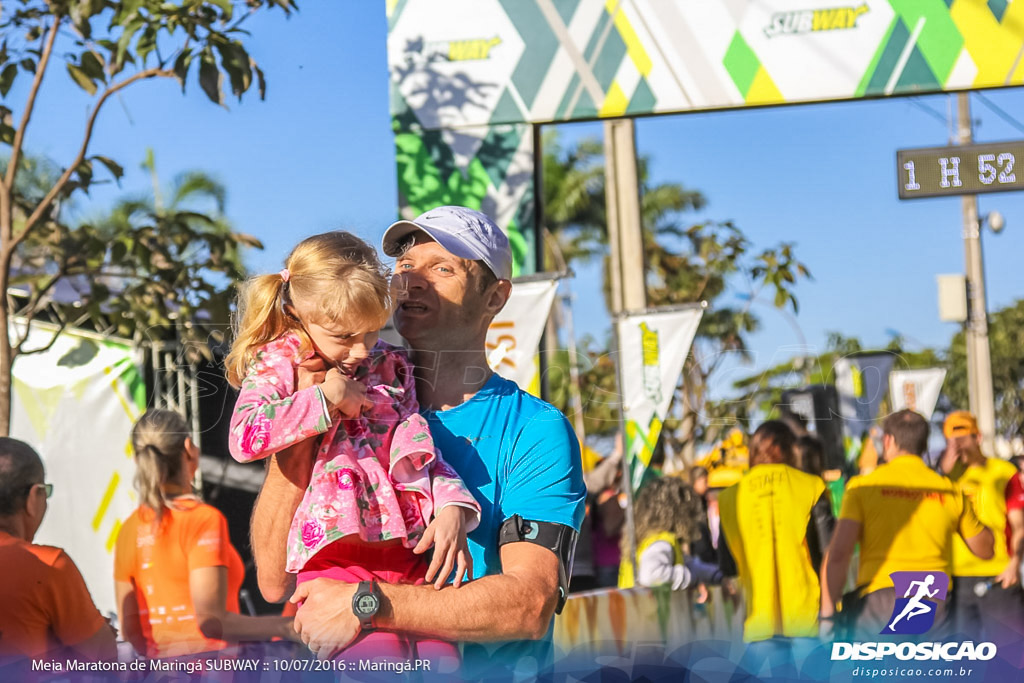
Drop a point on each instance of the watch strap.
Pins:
(366, 588)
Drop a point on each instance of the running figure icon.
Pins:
(915, 606)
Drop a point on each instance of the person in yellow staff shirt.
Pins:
(904, 515)
(986, 601)
(765, 519)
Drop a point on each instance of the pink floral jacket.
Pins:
(378, 476)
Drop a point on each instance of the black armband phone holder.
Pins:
(558, 538)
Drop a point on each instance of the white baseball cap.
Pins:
(463, 232)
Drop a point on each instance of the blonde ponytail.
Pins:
(259, 319)
(158, 439)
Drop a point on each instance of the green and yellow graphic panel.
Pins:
(469, 76)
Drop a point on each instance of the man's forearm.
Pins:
(515, 605)
(492, 608)
(271, 521)
(833, 578)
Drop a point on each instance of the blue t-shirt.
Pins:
(518, 455)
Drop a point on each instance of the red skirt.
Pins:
(355, 562)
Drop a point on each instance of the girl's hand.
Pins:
(311, 371)
(344, 394)
(447, 533)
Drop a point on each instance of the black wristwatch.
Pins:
(366, 603)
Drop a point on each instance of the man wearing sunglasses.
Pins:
(45, 607)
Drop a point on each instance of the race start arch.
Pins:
(471, 80)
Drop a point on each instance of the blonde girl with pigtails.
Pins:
(379, 494)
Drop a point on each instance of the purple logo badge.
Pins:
(917, 596)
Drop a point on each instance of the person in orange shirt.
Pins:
(176, 574)
(44, 604)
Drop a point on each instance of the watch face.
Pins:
(367, 604)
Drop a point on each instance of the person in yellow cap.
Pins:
(987, 600)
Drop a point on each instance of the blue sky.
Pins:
(317, 155)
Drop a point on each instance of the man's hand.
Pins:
(949, 457)
(324, 621)
(447, 533)
(1011, 575)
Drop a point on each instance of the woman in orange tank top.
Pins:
(176, 574)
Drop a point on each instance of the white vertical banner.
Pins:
(916, 390)
(514, 336)
(652, 347)
(75, 404)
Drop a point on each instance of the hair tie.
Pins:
(285, 275)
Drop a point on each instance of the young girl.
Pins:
(666, 514)
(377, 480)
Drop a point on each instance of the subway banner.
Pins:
(463, 63)
(75, 404)
(469, 76)
(652, 347)
(916, 389)
(514, 335)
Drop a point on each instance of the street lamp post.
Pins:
(979, 362)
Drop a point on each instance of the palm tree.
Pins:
(574, 205)
(682, 264)
(149, 267)
(173, 256)
(573, 195)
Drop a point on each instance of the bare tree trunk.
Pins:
(6, 256)
(550, 340)
(6, 352)
(690, 409)
(687, 426)
(575, 395)
(6, 379)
